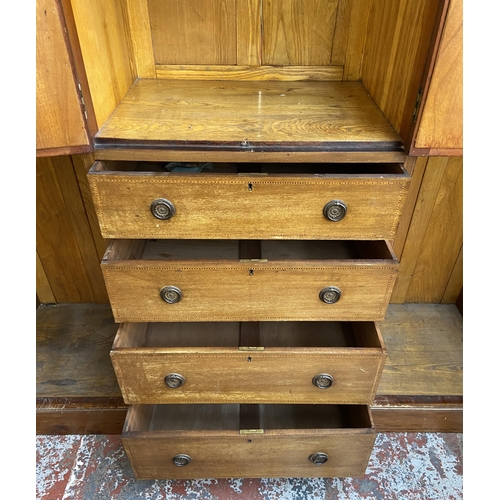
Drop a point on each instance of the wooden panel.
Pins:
(418, 169)
(322, 115)
(249, 48)
(59, 117)
(434, 238)
(261, 73)
(247, 207)
(43, 290)
(81, 165)
(140, 35)
(81, 420)
(425, 351)
(298, 32)
(414, 418)
(102, 32)
(357, 15)
(454, 286)
(441, 125)
(63, 238)
(194, 31)
(398, 41)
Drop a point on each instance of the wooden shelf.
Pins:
(420, 389)
(76, 388)
(422, 381)
(322, 121)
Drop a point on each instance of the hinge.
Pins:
(82, 100)
(251, 431)
(417, 104)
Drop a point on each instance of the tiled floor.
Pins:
(403, 466)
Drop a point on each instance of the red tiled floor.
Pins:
(403, 466)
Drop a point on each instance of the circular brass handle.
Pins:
(170, 294)
(335, 210)
(318, 458)
(323, 381)
(330, 294)
(162, 209)
(174, 380)
(181, 460)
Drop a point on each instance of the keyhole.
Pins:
(249, 358)
(250, 186)
(250, 272)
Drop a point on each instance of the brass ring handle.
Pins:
(318, 458)
(162, 209)
(323, 381)
(181, 460)
(171, 294)
(335, 210)
(174, 380)
(330, 294)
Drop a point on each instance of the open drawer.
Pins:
(268, 362)
(248, 201)
(222, 441)
(227, 280)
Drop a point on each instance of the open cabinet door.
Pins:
(439, 121)
(61, 117)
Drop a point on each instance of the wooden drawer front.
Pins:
(237, 206)
(150, 361)
(239, 290)
(221, 453)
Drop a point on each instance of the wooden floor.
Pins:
(420, 389)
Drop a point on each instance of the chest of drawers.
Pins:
(248, 308)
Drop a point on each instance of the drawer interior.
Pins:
(191, 417)
(357, 334)
(340, 169)
(271, 250)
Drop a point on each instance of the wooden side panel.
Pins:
(298, 32)
(441, 125)
(140, 38)
(413, 418)
(105, 47)
(59, 117)
(434, 239)
(398, 41)
(44, 292)
(194, 32)
(64, 240)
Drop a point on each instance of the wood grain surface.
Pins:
(272, 115)
(59, 116)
